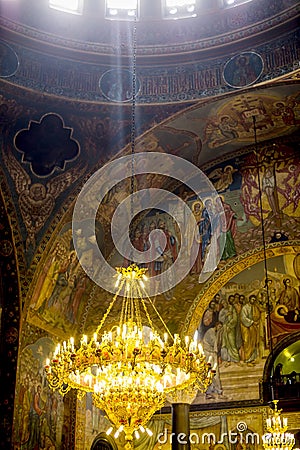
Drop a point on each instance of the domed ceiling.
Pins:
(210, 90)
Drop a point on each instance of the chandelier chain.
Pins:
(133, 126)
(107, 311)
(156, 311)
(264, 244)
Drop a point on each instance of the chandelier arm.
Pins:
(108, 310)
(122, 314)
(137, 310)
(269, 322)
(156, 311)
(128, 305)
(146, 312)
(131, 303)
(125, 318)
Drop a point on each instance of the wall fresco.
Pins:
(62, 290)
(235, 332)
(39, 412)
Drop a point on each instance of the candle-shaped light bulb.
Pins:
(118, 280)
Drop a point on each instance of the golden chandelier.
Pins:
(277, 438)
(129, 369)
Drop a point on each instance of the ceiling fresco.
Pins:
(225, 125)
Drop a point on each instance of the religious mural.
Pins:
(234, 330)
(116, 85)
(243, 69)
(228, 123)
(62, 290)
(40, 412)
(234, 121)
(37, 200)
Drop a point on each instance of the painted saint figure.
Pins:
(194, 238)
(289, 296)
(228, 224)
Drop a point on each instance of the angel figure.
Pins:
(223, 177)
(36, 200)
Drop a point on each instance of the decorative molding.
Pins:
(189, 81)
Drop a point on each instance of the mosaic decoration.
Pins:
(39, 411)
(243, 70)
(9, 62)
(9, 326)
(36, 201)
(116, 85)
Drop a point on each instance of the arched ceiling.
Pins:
(289, 358)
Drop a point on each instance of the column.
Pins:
(181, 401)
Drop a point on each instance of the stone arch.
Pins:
(104, 442)
(267, 381)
